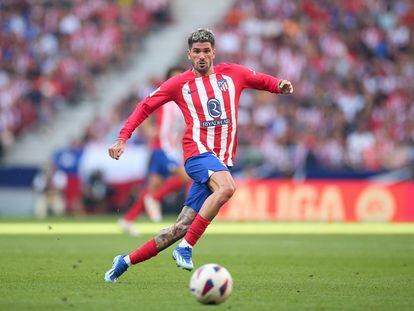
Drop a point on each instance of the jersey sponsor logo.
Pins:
(215, 122)
(214, 108)
(222, 84)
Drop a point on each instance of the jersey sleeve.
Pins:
(156, 99)
(257, 80)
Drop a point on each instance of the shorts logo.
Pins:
(222, 84)
(214, 108)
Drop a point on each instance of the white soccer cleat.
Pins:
(128, 227)
(183, 257)
(153, 208)
(119, 266)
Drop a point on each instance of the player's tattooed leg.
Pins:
(172, 234)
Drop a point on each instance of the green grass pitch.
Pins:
(60, 266)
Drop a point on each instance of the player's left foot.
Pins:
(182, 256)
(119, 266)
(153, 208)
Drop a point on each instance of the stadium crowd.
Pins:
(352, 65)
(51, 51)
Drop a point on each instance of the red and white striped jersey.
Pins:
(170, 128)
(209, 105)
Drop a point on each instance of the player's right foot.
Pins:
(153, 208)
(183, 257)
(128, 227)
(119, 266)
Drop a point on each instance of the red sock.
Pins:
(196, 229)
(137, 208)
(145, 252)
(172, 184)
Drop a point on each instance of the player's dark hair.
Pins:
(173, 69)
(201, 35)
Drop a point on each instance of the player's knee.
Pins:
(227, 191)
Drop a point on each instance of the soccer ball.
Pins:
(211, 284)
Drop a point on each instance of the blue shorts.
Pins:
(200, 168)
(161, 164)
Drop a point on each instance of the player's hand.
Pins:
(285, 87)
(117, 149)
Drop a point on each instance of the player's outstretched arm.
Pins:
(117, 149)
(285, 87)
(260, 81)
(164, 94)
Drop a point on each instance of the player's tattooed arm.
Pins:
(170, 235)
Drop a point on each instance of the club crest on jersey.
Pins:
(214, 108)
(223, 85)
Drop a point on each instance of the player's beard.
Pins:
(202, 69)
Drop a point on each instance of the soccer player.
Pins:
(208, 96)
(165, 171)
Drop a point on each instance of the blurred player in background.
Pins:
(49, 185)
(165, 171)
(208, 97)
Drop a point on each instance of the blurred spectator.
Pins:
(49, 185)
(96, 193)
(67, 160)
(50, 52)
